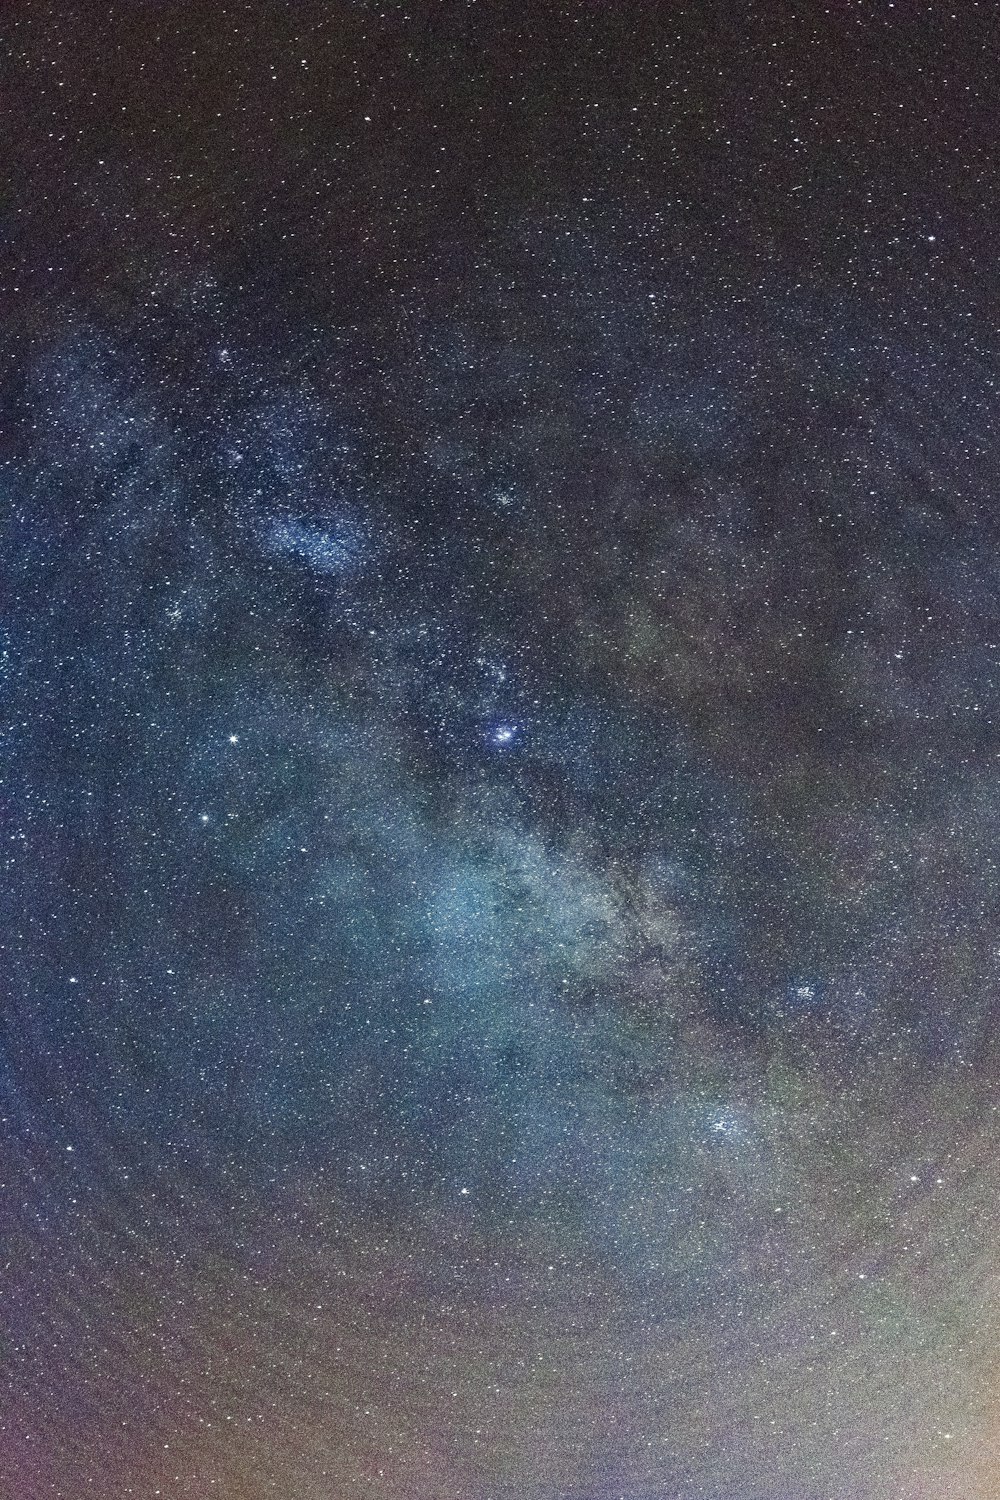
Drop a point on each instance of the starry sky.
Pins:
(499, 750)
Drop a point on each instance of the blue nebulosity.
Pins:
(326, 551)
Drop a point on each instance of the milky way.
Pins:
(500, 666)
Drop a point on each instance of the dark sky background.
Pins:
(499, 806)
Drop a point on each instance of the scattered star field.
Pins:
(499, 751)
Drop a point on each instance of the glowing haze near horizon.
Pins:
(500, 666)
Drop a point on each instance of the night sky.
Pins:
(499, 750)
